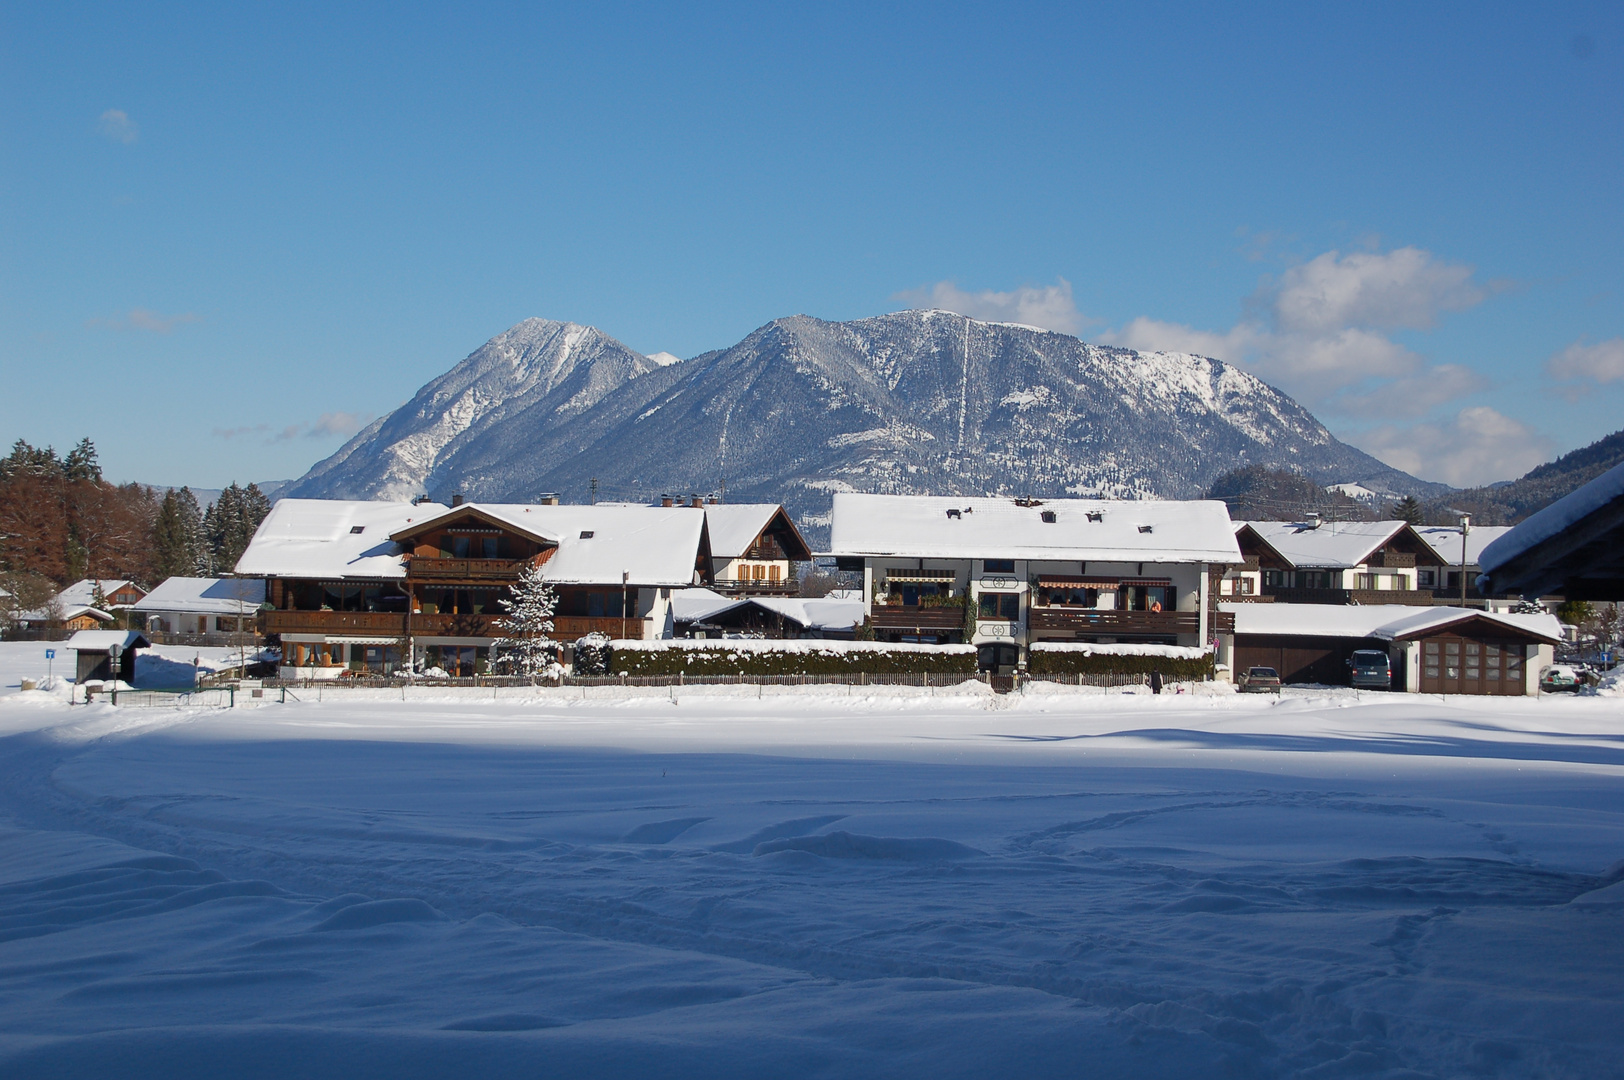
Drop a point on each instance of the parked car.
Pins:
(1260, 680)
(1559, 678)
(1370, 669)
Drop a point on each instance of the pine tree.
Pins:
(81, 463)
(524, 645)
(198, 562)
(173, 538)
(1407, 509)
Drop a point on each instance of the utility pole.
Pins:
(1465, 527)
(594, 491)
(625, 577)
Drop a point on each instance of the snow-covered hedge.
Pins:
(1175, 662)
(769, 657)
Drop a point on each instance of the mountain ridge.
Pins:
(926, 401)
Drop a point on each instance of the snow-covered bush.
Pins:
(592, 655)
(804, 657)
(1176, 663)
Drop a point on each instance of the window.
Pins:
(1000, 605)
(1048, 517)
(998, 566)
(357, 530)
(1428, 579)
(586, 534)
(488, 547)
(1275, 579)
(1244, 586)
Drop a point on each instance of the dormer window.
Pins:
(1096, 515)
(586, 534)
(1146, 528)
(357, 530)
(1048, 517)
(955, 514)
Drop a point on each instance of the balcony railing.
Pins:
(1392, 559)
(1091, 621)
(393, 624)
(917, 619)
(1410, 597)
(744, 587)
(432, 569)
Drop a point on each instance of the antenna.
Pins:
(594, 491)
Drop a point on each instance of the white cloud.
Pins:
(148, 321)
(1602, 362)
(1478, 446)
(1403, 288)
(1047, 306)
(1320, 330)
(336, 423)
(117, 125)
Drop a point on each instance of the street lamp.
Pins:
(1465, 528)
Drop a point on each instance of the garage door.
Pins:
(1455, 665)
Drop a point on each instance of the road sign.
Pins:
(50, 654)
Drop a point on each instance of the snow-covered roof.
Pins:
(204, 596)
(735, 526)
(1561, 515)
(103, 640)
(814, 613)
(69, 612)
(83, 592)
(921, 526)
(1387, 621)
(654, 545)
(331, 538)
(1444, 540)
(1330, 545)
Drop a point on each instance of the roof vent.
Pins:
(1146, 528)
(586, 534)
(357, 530)
(955, 514)
(1048, 517)
(1028, 502)
(1096, 515)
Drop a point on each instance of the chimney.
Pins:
(696, 502)
(711, 501)
(456, 500)
(665, 500)
(549, 498)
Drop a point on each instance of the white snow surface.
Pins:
(318, 538)
(1374, 620)
(203, 596)
(1335, 544)
(1084, 648)
(1560, 515)
(918, 526)
(846, 882)
(1444, 540)
(734, 526)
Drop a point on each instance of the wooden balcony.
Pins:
(393, 624)
(916, 620)
(740, 587)
(428, 569)
(1409, 597)
(1393, 560)
(1093, 621)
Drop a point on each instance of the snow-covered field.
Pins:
(812, 883)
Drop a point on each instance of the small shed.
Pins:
(96, 649)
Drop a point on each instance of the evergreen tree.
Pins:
(198, 560)
(173, 538)
(524, 645)
(1407, 509)
(81, 463)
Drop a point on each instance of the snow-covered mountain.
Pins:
(917, 401)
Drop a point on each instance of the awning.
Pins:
(930, 576)
(1072, 581)
(1153, 582)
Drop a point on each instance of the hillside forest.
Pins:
(61, 521)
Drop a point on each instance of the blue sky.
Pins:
(230, 233)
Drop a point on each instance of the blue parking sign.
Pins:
(50, 654)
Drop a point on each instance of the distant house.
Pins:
(1433, 650)
(1004, 573)
(75, 607)
(1329, 562)
(1574, 547)
(350, 583)
(703, 613)
(753, 546)
(1441, 572)
(202, 605)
